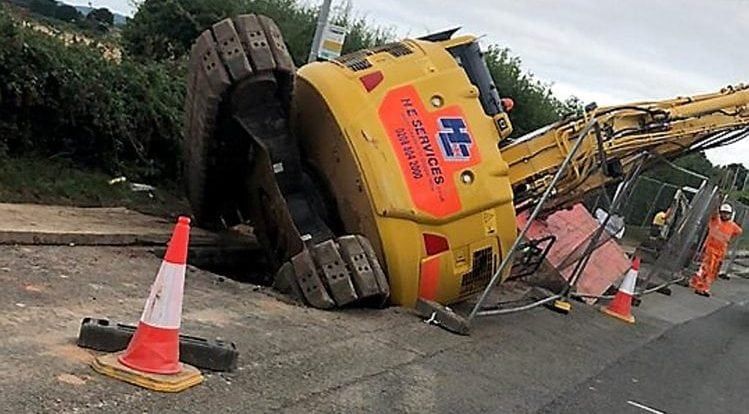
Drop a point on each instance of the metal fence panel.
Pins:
(685, 239)
(737, 259)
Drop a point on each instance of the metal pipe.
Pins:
(735, 172)
(641, 293)
(322, 20)
(589, 296)
(674, 253)
(734, 250)
(598, 201)
(653, 180)
(652, 205)
(519, 308)
(508, 258)
(661, 286)
(684, 170)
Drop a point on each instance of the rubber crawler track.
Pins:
(240, 70)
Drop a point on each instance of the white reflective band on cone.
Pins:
(164, 305)
(628, 286)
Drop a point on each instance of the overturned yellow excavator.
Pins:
(388, 174)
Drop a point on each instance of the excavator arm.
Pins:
(619, 135)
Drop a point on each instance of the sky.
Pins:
(607, 51)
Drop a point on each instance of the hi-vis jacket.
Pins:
(720, 234)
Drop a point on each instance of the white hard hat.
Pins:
(726, 208)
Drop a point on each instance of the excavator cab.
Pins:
(470, 57)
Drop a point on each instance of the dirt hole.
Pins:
(241, 264)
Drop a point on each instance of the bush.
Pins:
(58, 99)
(126, 117)
(535, 104)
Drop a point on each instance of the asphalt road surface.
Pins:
(301, 360)
(701, 366)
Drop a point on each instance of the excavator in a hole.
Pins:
(389, 174)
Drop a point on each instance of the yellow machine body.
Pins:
(399, 137)
(407, 145)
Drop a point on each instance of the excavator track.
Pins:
(241, 161)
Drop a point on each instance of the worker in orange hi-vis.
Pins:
(721, 230)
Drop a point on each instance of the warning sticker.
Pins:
(431, 147)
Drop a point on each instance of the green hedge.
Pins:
(125, 117)
(69, 101)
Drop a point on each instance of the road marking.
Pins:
(645, 407)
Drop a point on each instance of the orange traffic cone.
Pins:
(621, 306)
(151, 359)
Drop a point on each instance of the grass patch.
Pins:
(57, 181)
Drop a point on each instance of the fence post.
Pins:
(743, 212)
(652, 205)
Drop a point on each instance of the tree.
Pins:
(696, 162)
(67, 13)
(165, 29)
(535, 104)
(102, 15)
(733, 176)
(43, 7)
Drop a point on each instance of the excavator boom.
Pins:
(667, 128)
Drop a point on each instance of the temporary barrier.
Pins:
(621, 306)
(737, 259)
(455, 322)
(108, 336)
(574, 229)
(680, 248)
